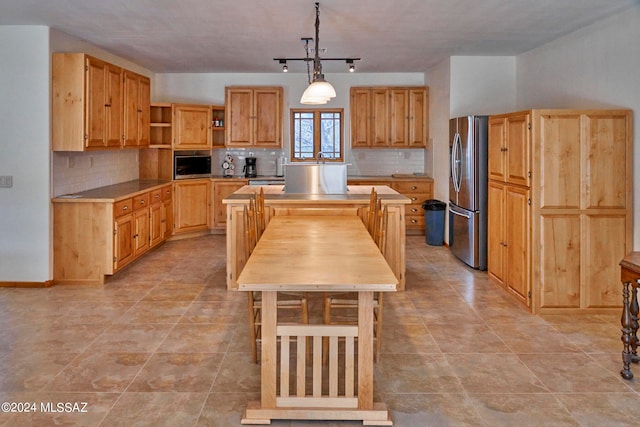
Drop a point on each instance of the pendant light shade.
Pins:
(318, 92)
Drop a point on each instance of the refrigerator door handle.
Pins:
(453, 211)
(455, 162)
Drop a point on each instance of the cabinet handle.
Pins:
(414, 198)
(413, 187)
(142, 202)
(414, 210)
(414, 221)
(125, 207)
(157, 196)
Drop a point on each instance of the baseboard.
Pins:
(45, 284)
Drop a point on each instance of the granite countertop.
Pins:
(112, 193)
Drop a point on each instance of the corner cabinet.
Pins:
(91, 105)
(560, 208)
(389, 117)
(253, 117)
(192, 205)
(191, 127)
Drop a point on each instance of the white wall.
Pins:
(24, 153)
(460, 86)
(482, 85)
(208, 88)
(595, 67)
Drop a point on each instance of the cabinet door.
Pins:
(96, 77)
(114, 105)
(220, 191)
(130, 109)
(399, 118)
(418, 118)
(267, 117)
(495, 231)
(517, 238)
(192, 127)
(141, 237)
(192, 205)
(123, 241)
(238, 113)
(497, 145)
(360, 117)
(167, 219)
(560, 259)
(144, 111)
(558, 148)
(518, 149)
(136, 110)
(606, 244)
(156, 225)
(379, 118)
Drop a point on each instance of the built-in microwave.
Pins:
(191, 166)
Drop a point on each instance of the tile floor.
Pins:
(164, 344)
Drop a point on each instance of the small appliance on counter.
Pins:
(280, 162)
(228, 168)
(250, 168)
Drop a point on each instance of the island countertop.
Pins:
(274, 195)
(355, 202)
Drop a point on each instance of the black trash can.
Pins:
(434, 215)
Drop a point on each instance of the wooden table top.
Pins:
(316, 253)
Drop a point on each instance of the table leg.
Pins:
(633, 308)
(269, 355)
(625, 321)
(365, 350)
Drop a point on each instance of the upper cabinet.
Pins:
(89, 110)
(510, 148)
(137, 93)
(191, 127)
(253, 117)
(389, 117)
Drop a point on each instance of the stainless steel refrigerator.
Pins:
(468, 190)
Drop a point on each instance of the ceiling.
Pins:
(245, 35)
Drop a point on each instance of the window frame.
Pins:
(317, 143)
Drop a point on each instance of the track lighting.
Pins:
(352, 67)
(284, 65)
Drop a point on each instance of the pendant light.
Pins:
(319, 90)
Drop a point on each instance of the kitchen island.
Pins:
(355, 202)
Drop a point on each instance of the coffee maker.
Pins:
(250, 168)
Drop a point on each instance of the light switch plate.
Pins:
(6, 181)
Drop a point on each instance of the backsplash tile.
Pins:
(361, 162)
(74, 172)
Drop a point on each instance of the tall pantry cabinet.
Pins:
(560, 206)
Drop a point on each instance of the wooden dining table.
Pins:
(316, 254)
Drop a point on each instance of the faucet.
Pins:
(320, 156)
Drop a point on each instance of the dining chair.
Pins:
(261, 222)
(296, 301)
(349, 300)
(371, 214)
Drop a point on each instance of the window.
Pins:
(315, 131)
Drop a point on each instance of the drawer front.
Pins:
(122, 207)
(409, 187)
(418, 198)
(167, 193)
(156, 196)
(414, 209)
(415, 221)
(141, 201)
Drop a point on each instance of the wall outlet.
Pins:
(6, 181)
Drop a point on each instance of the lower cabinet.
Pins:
(222, 189)
(418, 190)
(97, 238)
(508, 248)
(192, 208)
